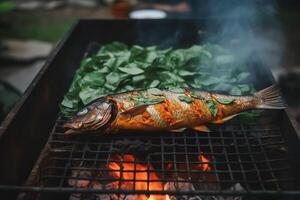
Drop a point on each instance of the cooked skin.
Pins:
(172, 114)
(167, 111)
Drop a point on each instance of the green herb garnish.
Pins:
(197, 96)
(155, 91)
(213, 107)
(147, 101)
(141, 100)
(225, 101)
(177, 90)
(185, 99)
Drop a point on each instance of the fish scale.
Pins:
(155, 115)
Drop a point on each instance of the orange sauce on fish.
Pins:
(165, 112)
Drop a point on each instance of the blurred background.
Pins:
(30, 29)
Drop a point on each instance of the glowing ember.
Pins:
(131, 174)
(205, 166)
(139, 173)
(134, 175)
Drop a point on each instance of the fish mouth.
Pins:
(98, 119)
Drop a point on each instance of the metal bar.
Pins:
(189, 193)
(258, 172)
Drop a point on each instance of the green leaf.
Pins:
(113, 78)
(154, 83)
(155, 91)
(104, 70)
(114, 47)
(93, 79)
(171, 77)
(235, 91)
(210, 81)
(86, 61)
(213, 107)
(197, 96)
(69, 103)
(136, 50)
(131, 69)
(185, 98)
(186, 73)
(88, 94)
(225, 101)
(151, 56)
(177, 90)
(129, 88)
(243, 76)
(147, 101)
(222, 87)
(244, 88)
(138, 78)
(110, 63)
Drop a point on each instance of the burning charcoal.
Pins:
(80, 174)
(237, 187)
(132, 197)
(179, 186)
(97, 185)
(75, 196)
(94, 196)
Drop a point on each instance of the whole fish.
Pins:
(166, 110)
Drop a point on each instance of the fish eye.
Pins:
(82, 112)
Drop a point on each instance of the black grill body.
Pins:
(261, 156)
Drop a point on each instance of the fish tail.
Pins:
(270, 98)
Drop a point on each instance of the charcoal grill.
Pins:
(258, 157)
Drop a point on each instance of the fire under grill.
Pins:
(232, 161)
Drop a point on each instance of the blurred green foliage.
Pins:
(50, 32)
(37, 28)
(6, 6)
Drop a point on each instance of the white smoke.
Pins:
(247, 28)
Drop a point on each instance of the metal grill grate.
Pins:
(242, 159)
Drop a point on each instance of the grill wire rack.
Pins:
(244, 160)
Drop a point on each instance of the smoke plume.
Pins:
(247, 28)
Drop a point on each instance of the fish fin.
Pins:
(222, 121)
(135, 110)
(201, 128)
(178, 130)
(270, 98)
(176, 122)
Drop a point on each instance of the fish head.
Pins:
(95, 117)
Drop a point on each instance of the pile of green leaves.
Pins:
(119, 68)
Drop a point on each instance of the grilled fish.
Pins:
(166, 110)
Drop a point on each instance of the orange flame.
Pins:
(138, 176)
(139, 173)
(205, 166)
